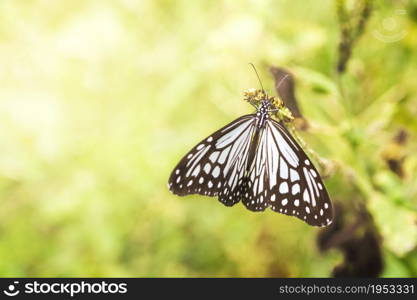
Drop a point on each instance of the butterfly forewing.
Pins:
(216, 166)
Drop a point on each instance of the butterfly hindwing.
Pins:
(282, 177)
(216, 166)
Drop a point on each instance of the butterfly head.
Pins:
(262, 101)
(265, 104)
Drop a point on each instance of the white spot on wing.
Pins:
(283, 188)
(207, 168)
(261, 185)
(306, 196)
(283, 169)
(273, 158)
(213, 157)
(294, 175)
(310, 186)
(216, 172)
(295, 189)
(223, 155)
(196, 171)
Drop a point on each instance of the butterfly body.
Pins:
(262, 113)
(254, 159)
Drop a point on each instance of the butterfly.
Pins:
(254, 159)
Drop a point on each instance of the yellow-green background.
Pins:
(100, 99)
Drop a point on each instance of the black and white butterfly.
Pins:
(256, 160)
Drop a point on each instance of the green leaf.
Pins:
(396, 223)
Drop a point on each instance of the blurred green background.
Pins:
(100, 99)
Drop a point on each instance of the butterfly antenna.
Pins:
(257, 75)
